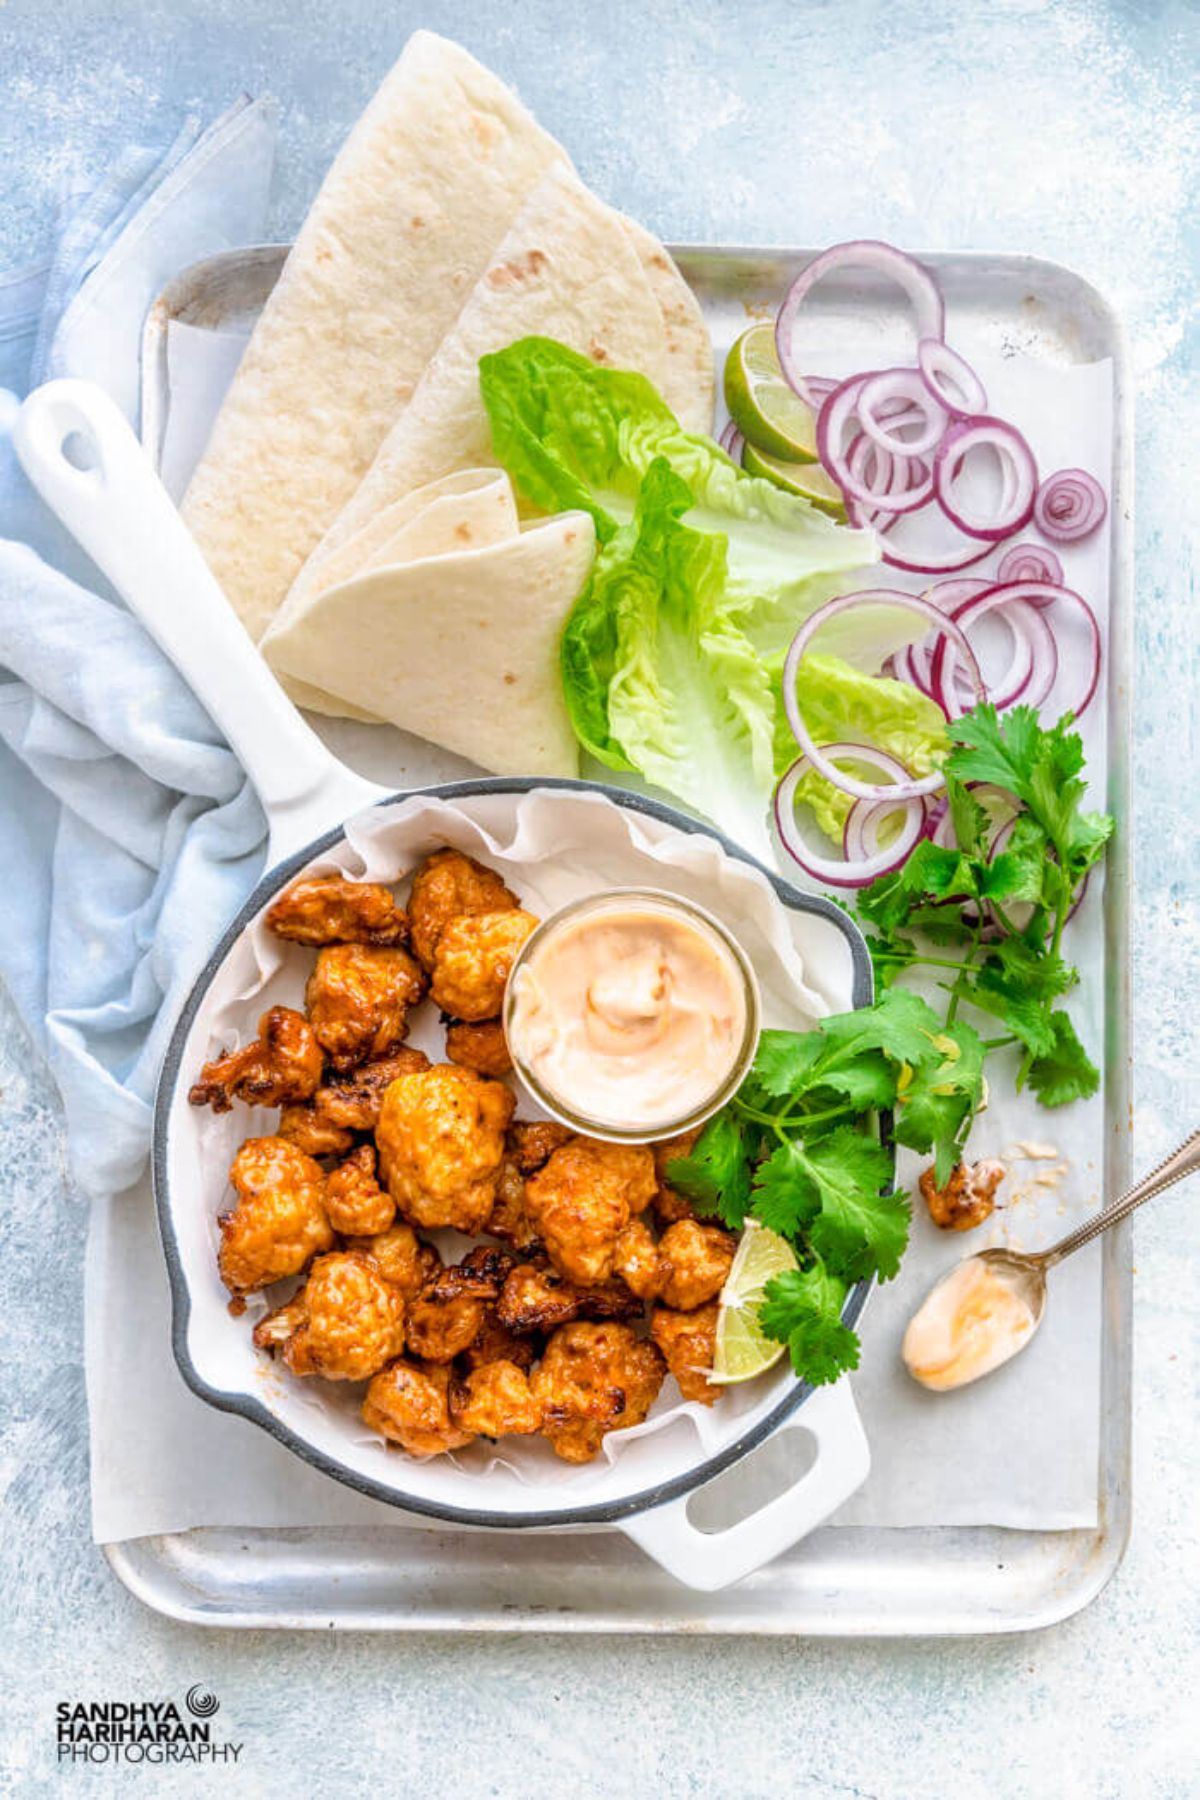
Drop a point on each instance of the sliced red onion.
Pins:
(1029, 562)
(896, 484)
(1070, 505)
(865, 820)
(951, 380)
(1020, 476)
(832, 609)
(1034, 666)
(851, 871)
(862, 253)
(732, 442)
(917, 561)
(820, 386)
(921, 412)
(1042, 594)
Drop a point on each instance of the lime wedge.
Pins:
(743, 1351)
(762, 405)
(807, 479)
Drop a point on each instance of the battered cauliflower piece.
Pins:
(356, 1204)
(494, 1342)
(670, 1206)
(446, 885)
(536, 1298)
(583, 1198)
(637, 1261)
(441, 1142)
(409, 1404)
(358, 999)
(594, 1379)
(695, 1259)
(968, 1198)
(279, 1221)
(509, 1218)
(448, 1316)
(304, 1127)
(346, 1324)
(354, 1100)
(473, 957)
(482, 1047)
(688, 1340)
(281, 1067)
(327, 910)
(495, 1400)
(400, 1257)
(533, 1142)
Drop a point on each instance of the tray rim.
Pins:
(1096, 1551)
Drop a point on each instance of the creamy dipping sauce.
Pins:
(973, 1321)
(630, 1013)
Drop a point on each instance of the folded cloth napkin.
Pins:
(128, 831)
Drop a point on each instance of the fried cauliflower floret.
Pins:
(473, 957)
(354, 1100)
(482, 1047)
(535, 1297)
(279, 1221)
(356, 1204)
(533, 1142)
(327, 910)
(509, 1218)
(494, 1342)
(448, 1315)
(637, 1261)
(968, 1198)
(409, 1405)
(441, 1142)
(358, 999)
(400, 1257)
(583, 1198)
(281, 1067)
(346, 1324)
(688, 1340)
(446, 885)
(594, 1379)
(495, 1400)
(695, 1260)
(670, 1206)
(304, 1127)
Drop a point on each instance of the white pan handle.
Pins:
(708, 1560)
(85, 462)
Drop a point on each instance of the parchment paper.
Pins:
(1019, 1449)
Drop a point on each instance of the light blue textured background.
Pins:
(1066, 127)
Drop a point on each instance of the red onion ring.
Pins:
(1029, 562)
(859, 871)
(732, 442)
(1034, 666)
(927, 563)
(1041, 594)
(864, 253)
(862, 790)
(1070, 505)
(860, 836)
(1020, 480)
(943, 371)
(896, 484)
(907, 385)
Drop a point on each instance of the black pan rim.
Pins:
(245, 1405)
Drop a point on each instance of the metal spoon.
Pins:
(1025, 1272)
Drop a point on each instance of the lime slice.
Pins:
(762, 405)
(743, 1351)
(806, 479)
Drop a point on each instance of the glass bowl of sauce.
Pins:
(632, 1015)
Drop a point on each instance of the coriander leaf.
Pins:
(968, 818)
(988, 748)
(1027, 1019)
(1066, 1072)
(867, 1083)
(803, 1309)
(715, 1176)
(935, 1108)
(785, 1195)
(783, 1061)
(1016, 873)
(901, 1024)
(861, 1229)
(1036, 974)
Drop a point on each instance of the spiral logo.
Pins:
(200, 1704)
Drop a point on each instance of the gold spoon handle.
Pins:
(1177, 1167)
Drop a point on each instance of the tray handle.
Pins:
(709, 1560)
(82, 457)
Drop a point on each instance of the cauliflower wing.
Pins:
(358, 1000)
(303, 1126)
(535, 1297)
(356, 1204)
(473, 957)
(448, 1315)
(582, 1199)
(345, 1325)
(353, 1100)
(694, 1260)
(494, 1342)
(495, 1400)
(509, 1219)
(968, 1198)
(409, 1404)
(637, 1261)
(400, 1257)
(441, 1142)
(280, 1068)
(594, 1378)
(688, 1341)
(534, 1141)
(327, 910)
(279, 1221)
(447, 884)
(482, 1047)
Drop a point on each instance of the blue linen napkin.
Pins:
(128, 831)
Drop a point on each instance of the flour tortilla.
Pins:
(689, 381)
(461, 649)
(425, 187)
